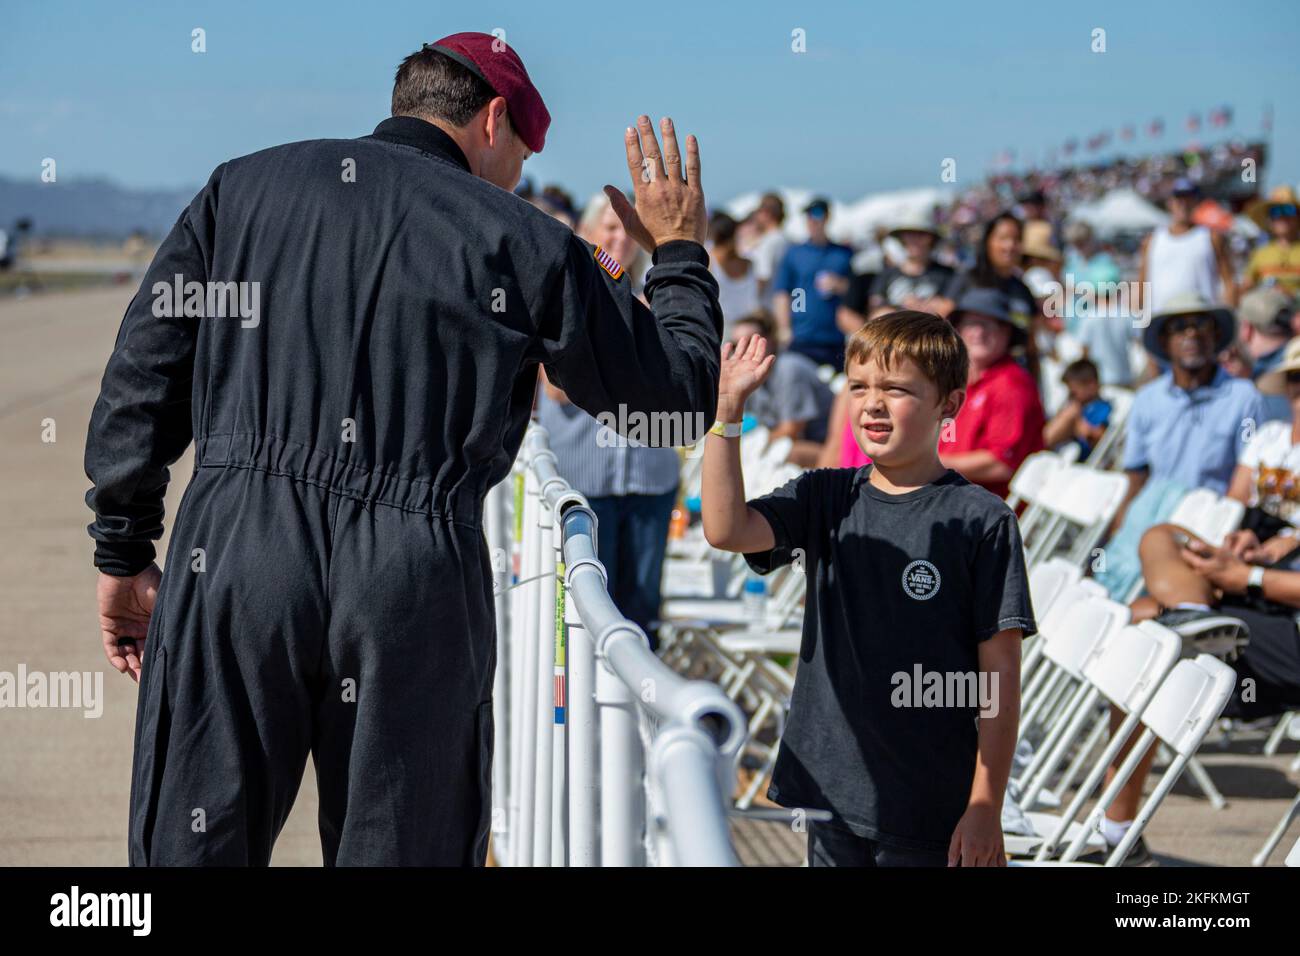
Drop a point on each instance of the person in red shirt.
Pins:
(1001, 422)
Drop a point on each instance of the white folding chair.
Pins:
(1047, 687)
(1291, 723)
(1079, 501)
(785, 595)
(1127, 670)
(1047, 580)
(1028, 483)
(1050, 620)
(1288, 725)
(771, 684)
(1211, 517)
(1180, 714)
(1090, 624)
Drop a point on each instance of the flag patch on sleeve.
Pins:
(608, 263)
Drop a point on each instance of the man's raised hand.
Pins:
(669, 206)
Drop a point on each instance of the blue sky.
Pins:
(883, 94)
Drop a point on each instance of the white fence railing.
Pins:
(604, 756)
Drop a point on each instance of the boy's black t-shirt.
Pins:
(896, 583)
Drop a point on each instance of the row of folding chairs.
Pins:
(1067, 507)
(1092, 658)
(1060, 711)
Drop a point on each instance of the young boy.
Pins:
(912, 572)
(1086, 416)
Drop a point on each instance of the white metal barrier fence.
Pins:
(604, 756)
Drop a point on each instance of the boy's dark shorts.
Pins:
(829, 845)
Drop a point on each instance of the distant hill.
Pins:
(90, 208)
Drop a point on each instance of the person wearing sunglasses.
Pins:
(1277, 262)
(1189, 425)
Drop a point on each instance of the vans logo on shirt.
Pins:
(921, 580)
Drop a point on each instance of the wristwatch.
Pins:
(726, 429)
(1255, 581)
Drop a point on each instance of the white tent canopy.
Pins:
(1120, 210)
(853, 222)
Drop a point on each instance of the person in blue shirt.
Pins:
(1189, 425)
(812, 278)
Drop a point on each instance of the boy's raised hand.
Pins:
(745, 364)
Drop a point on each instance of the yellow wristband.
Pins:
(726, 429)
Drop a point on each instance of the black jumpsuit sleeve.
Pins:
(141, 423)
(605, 348)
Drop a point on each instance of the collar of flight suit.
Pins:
(411, 131)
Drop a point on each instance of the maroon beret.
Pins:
(493, 62)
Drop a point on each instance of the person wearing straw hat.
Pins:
(1039, 258)
(918, 279)
(1278, 260)
(1189, 425)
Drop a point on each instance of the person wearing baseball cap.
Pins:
(327, 587)
(1001, 423)
(810, 282)
(1183, 256)
(1268, 317)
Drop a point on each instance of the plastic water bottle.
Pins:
(754, 599)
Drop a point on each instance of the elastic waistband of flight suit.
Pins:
(278, 456)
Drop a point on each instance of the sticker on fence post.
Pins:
(561, 635)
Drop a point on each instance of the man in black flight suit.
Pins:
(349, 331)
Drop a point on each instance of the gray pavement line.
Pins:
(72, 384)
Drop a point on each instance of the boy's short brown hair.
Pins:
(1081, 370)
(929, 341)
